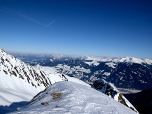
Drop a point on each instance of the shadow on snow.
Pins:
(12, 107)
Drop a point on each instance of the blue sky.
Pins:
(115, 28)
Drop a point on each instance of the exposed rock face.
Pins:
(56, 96)
(105, 87)
(45, 104)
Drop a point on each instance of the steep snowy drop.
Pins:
(72, 98)
(110, 90)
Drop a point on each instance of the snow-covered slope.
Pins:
(72, 98)
(18, 79)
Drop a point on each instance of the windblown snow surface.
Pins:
(68, 97)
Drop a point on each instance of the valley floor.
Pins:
(128, 91)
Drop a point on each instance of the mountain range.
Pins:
(21, 82)
(128, 72)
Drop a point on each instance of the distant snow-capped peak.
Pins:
(129, 60)
(123, 59)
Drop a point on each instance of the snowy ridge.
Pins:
(18, 79)
(11, 66)
(124, 59)
(72, 98)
